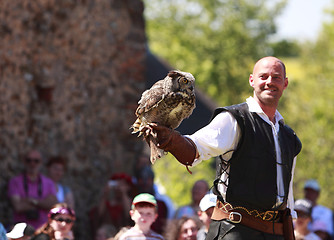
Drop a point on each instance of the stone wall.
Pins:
(71, 73)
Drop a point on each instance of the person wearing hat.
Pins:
(319, 213)
(143, 212)
(21, 231)
(59, 225)
(206, 205)
(303, 207)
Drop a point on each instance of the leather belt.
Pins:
(226, 211)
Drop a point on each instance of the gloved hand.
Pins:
(183, 149)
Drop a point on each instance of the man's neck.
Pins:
(270, 111)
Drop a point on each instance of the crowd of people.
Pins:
(44, 208)
(251, 197)
(310, 224)
(131, 207)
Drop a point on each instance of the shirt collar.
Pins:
(255, 107)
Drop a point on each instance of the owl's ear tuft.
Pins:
(173, 74)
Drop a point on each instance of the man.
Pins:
(257, 152)
(198, 191)
(31, 193)
(319, 212)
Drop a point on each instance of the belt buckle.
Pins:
(231, 217)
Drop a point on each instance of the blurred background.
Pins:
(71, 73)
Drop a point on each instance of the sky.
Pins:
(302, 19)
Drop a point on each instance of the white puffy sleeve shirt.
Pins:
(221, 137)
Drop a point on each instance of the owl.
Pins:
(167, 102)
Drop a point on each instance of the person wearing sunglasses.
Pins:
(59, 225)
(31, 193)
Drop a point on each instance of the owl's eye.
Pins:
(185, 81)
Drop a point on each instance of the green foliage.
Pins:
(177, 181)
(309, 109)
(285, 48)
(218, 41)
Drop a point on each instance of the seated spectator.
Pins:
(59, 224)
(56, 166)
(206, 205)
(320, 228)
(21, 231)
(303, 207)
(184, 228)
(31, 193)
(115, 204)
(145, 184)
(312, 192)
(143, 213)
(199, 189)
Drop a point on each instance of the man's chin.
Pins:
(270, 100)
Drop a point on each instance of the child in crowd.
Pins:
(206, 205)
(184, 228)
(143, 212)
(59, 225)
(303, 207)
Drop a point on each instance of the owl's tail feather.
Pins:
(156, 152)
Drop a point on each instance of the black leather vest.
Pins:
(252, 177)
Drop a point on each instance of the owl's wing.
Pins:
(150, 98)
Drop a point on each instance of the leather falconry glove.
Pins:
(182, 148)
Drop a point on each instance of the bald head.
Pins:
(267, 59)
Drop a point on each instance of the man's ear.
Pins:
(286, 83)
(251, 80)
